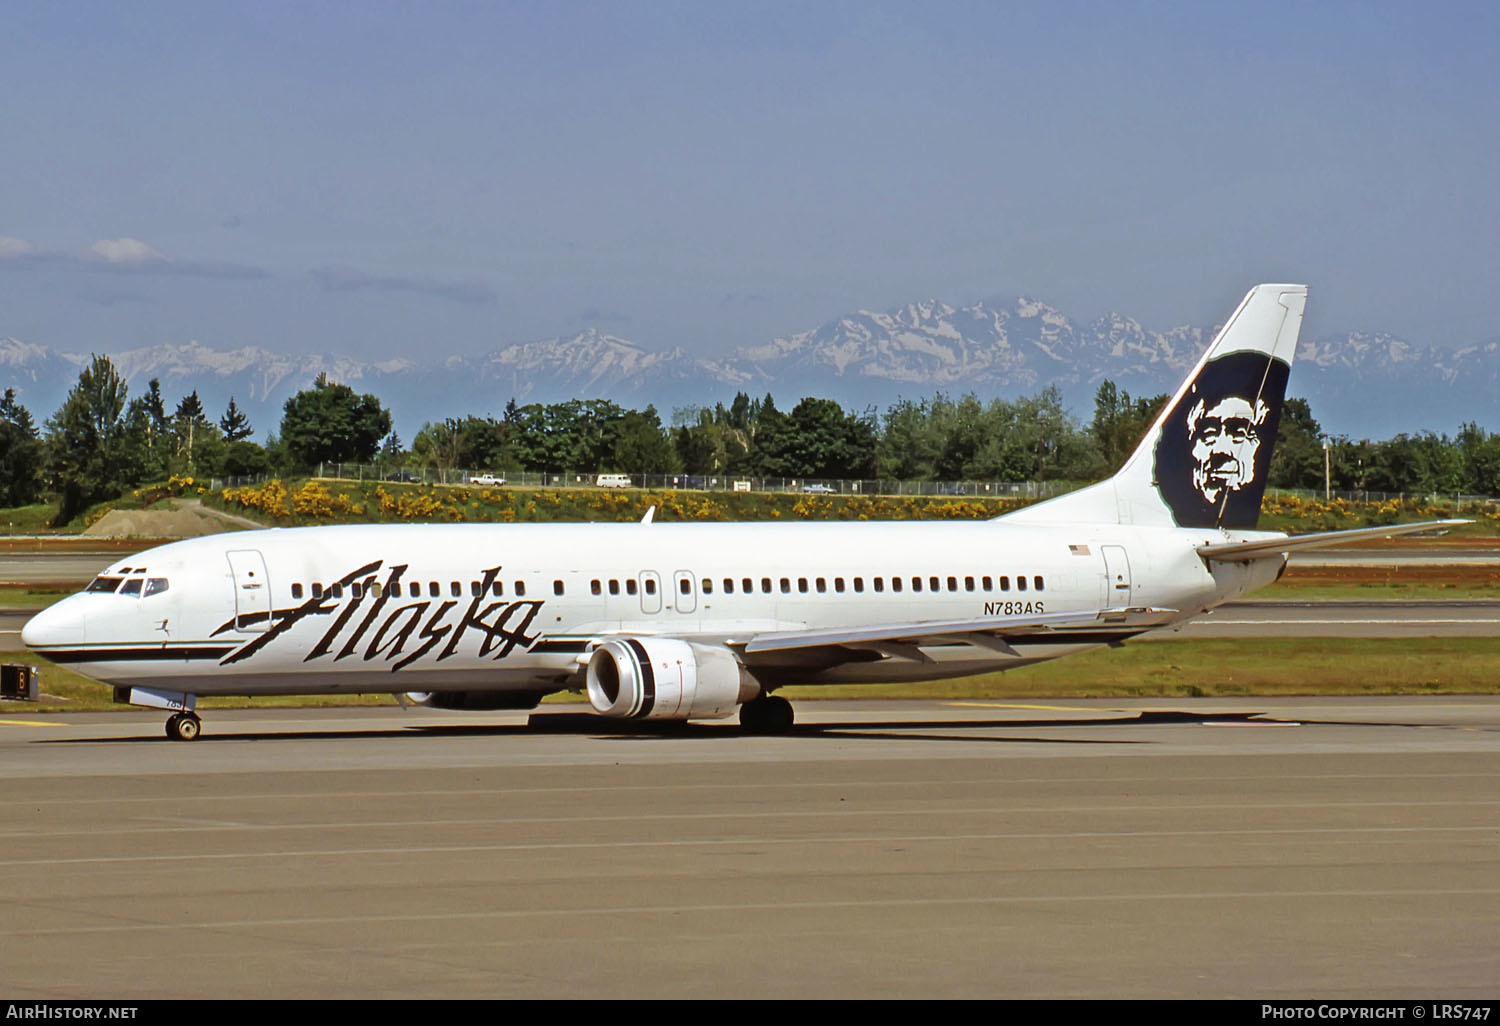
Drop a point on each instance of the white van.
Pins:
(613, 481)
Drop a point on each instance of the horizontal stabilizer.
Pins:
(1263, 548)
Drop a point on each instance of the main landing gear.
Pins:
(768, 714)
(184, 726)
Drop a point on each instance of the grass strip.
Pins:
(1166, 669)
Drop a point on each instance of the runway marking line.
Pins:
(28, 723)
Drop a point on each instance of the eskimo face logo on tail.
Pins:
(1215, 446)
(1226, 438)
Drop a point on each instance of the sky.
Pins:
(387, 180)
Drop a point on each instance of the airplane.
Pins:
(663, 621)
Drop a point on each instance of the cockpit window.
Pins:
(132, 586)
(156, 585)
(104, 584)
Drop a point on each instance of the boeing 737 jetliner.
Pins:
(685, 621)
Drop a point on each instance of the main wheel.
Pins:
(184, 727)
(769, 714)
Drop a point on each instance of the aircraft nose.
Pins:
(61, 624)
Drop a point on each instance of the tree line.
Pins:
(101, 442)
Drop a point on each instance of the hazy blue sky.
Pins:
(423, 178)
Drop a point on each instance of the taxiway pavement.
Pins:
(1247, 848)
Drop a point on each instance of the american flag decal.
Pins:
(1079, 550)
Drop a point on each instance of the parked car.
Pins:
(613, 481)
(404, 477)
(819, 489)
(488, 480)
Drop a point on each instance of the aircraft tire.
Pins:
(770, 714)
(184, 727)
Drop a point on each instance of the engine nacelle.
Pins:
(476, 700)
(666, 679)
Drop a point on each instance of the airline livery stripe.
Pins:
(122, 655)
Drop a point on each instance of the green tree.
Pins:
(22, 454)
(330, 423)
(642, 445)
(234, 423)
(1297, 459)
(90, 454)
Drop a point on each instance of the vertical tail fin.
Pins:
(1204, 461)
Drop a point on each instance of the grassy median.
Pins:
(1142, 669)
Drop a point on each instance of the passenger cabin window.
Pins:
(614, 586)
(355, 589)
(729, 585)
(802, 585)
(1036, 582)
(968, 584)
(765, 585)
(595, 588)
(708, 585)
(557, 587)
(414, 589)
(1004, 583)
(895, 584)
(685, 586)
(838, 585)
(859, 584)
(630, 586)
(296, 591)
(520, 589)
(456, 589)
(317, 591)
(497, 588)
(786, 586)
(650, 586)
(821, 585)
(747, 585)
(953, 584)
(987, 584)
(916, 584)
(1021, 583)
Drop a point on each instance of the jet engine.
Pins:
(666, 679)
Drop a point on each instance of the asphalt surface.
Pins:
(1254, 848)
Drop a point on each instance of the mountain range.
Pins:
(1360, 385)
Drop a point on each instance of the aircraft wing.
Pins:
(993, 632)
(1263, 547)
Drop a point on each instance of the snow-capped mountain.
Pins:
(1358, 384)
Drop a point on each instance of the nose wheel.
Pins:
(184, 726)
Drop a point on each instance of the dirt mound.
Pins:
(158, 523)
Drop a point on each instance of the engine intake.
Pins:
(666, 679)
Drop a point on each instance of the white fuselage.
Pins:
(482, 608)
